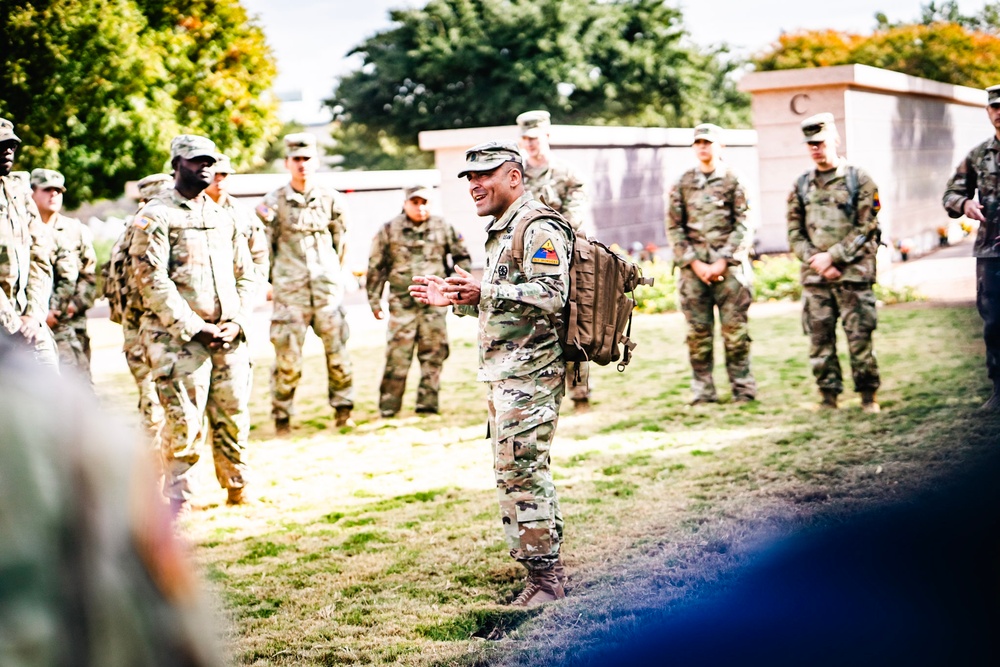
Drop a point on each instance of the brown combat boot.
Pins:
(869, 405)
(343, 418)
(235, 496)
(282, 426)
(581, 406)
(543, 586)
(560, 571)
(829, 400)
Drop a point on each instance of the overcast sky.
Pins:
(311, 38)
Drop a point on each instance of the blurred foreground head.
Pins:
(90, 570)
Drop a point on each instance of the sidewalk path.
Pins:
(946, 275)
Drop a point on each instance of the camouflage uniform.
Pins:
(521, 359)
(250, 226)
(75, 241)
(91, 571)
(25, 266)
(400, 250)
(558, 186)
(821, 224)
(193, 267)
(306, 232)
(979, 173)
(707, 222)
(127, 309)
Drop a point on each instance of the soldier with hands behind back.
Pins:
(411, 244)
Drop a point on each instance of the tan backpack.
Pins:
(598, 322)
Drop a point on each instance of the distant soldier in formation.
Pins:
(125, 305)
(307, 229)
(519, 309)
(25, 264)
(74, 278)
(197, 282)
(249, 224)
(979, 174)
(556, 184)
(832, 228)
(91, 573)
(414, 243)
(706, 225)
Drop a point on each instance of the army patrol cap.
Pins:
(7, 131)
(534, 123)
(223, 165)
(819, 128)
(300, 144)
(993, 93)
(190, 146)
(489, 156)
(707, 132)
(421, 191)
(43, 179)
(154, 184)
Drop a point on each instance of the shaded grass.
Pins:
(382, 545)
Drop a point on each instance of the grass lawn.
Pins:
(382, 544)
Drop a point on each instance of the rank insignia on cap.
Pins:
(141, 221)
(546, 254)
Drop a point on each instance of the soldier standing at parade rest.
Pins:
(979, 174)
(25, 264)
(195, 276)
(246, 222)
(519, 309)
(706, 224)
(74, 279)
(411, 244)
(307, 228)
(130, 302)
(557, 185)
(833, 232)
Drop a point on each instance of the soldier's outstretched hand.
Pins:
(462, 288)
(428, 290)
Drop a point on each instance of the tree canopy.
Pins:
(944, 45)
(469, 63)
(97, 88)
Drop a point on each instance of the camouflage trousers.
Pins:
(523, 413)
(289, 325)
(73, 347)
(150, 410)
(423, 328)
(698, 301)
(988, 303)
(854, 305)
(197, 385)
(578, 388)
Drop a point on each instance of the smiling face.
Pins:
(494, 191)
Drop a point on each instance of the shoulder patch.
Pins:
(546, 254)
(142, 221)
(876, 204)
(263, 210)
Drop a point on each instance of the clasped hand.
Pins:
(218, 337)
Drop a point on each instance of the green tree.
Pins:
(97, 89)
(944, 45)
(468, 63)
